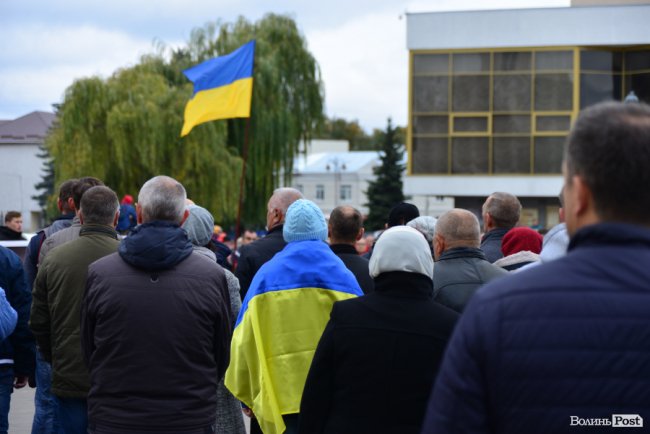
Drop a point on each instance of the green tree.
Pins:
(341, 129)
(125, 129)
(387, 189)
(46, 184)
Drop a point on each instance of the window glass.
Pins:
(606, 61)
(512, 61)
(471, 62)
(346, 192)
(640, 84)
(553, 92)
(470, 124)
(548, 154)
(637, 60)
(595, 88)
(553, 60)
(553, 123)
(511, 124)
(471, 93)
(511, 155)
(430, 94)
(430, 124)
(429, 155)
(430, 63)
(512, 92)
(320, 192)
(469, 155)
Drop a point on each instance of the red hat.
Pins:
(520, 239)
(127, 199)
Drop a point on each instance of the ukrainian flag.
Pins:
(223, 88)
(278, 328)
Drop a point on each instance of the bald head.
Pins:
(456, 228)
(278, 204)
(345, 225)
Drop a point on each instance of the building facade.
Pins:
(493, 95)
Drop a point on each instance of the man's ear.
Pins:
(362, 231)
(116, 218)
(138, 213)
(438, 246)
(81, 217)
(71, 204)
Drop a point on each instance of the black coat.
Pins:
(458, 273)
(256, 254)
(491, 243)
(355, 263)
(376, 361)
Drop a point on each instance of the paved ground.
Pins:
(22, 412)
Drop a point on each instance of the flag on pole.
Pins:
(223, 88)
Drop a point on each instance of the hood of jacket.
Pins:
(156, 245)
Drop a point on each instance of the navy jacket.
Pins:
(256, 254)
(19, 346)
(491, 243)
(566, 338)
(355, 263)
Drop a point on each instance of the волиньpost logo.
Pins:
(616, 421)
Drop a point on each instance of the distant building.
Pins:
(20, 167)
(493, 95)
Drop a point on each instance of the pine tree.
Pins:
(47, 181)
(386, 190)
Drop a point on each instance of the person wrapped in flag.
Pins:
(282, 318)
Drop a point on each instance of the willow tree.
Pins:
(125, 129)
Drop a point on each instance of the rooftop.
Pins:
(30, 128)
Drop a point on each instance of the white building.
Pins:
(492, 95)
(20, 166)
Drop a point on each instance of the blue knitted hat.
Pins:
(304, 221)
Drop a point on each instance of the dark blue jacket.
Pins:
(567, 338)
(19, 346)
(491, 244)
(128, 219)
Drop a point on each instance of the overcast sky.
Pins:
(360, 44)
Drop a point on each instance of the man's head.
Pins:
(606, 163)
(501, 210)
(456, 228)
(278, 205)
(99, 206)
(305, 221)
(401, 214)
(162, 198)
(65, 202)
(14, 221)
(199, 225)
(426, 225)
(80, 187)
(345, 225)
(248, 237)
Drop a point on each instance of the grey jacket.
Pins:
(60, 237)
(458, 273)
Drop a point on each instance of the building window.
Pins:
(346, 192)
(320, 192)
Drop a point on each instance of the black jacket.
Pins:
(491, 243)
(355, 263)
(376, 361)
(256, 254)
(155, 334)
(8, 234)
(458, 273)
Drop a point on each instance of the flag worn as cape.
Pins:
(223, 88)
(278, 328)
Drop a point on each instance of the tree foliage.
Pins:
(342, 129)
(387, 188)
(46, 184)
(125, 129)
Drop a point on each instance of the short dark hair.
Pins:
(402, 213)
(609, 148)
(504, 208)
(12, 215)
(80, 188)
(345, 223)
(66, 191)
(99, 205)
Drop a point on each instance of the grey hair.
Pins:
(99, 205)
(283, 197)
(426, 225)
(504, 208)
(162, 198)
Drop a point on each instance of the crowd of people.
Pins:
(142, 321)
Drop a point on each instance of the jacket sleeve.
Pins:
(318, 393)
(39, 320)
(244, 271)
(459, 399)
(30, 260)
(22, 340)
(88, 320)
(223, 329)
(8, 317)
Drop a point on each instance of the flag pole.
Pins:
(242, 181)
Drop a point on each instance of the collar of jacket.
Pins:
(611, 234)
(69, 216)
(495, 233)
(404, 284)
(343, 248)
(462, 252)
(156, 245)
(93, 229)
(275, 230)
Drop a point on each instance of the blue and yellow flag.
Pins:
(279, 325)
(223, 88)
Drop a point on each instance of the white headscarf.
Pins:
(401, 248)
